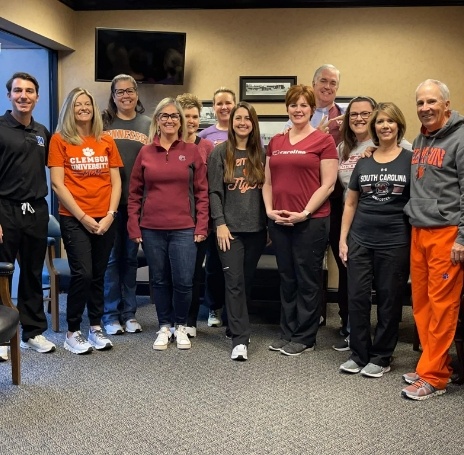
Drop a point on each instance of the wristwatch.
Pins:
(113, 213)
(307, 213)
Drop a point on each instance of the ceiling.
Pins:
(98, 5)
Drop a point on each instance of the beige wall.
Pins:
(381, 52)
(47, 22)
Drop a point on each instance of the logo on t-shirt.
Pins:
(182, 158)
(88, 151)
(40, 141)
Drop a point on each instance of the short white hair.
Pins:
(445, 93)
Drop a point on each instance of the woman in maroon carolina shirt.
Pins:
(301, 170)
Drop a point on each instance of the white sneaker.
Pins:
(214, 318)
(3, 353)
(77, 344)
(39, 343)
(114, 328)
(132, 326)
(163, 339)
(98, 340)
(182, 338)
(240, 352)
(191, 331)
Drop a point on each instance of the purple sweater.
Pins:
(168, 189)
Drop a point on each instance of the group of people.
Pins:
(347, 178)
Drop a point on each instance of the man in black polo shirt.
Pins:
(23, 207)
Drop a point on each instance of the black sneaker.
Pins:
(342, 345)
(293, 348)
(278, 344)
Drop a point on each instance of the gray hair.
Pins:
(444, 90)
(329, 67)
(155, 131)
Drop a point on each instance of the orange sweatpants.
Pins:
(436, 293)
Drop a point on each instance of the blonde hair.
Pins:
(189, 101)
(67, 127)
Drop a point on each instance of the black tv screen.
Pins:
(149, 57)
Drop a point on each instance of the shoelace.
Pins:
(79, 338)
(99, 334)
(421, 383)
(26, 207)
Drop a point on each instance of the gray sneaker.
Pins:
(293, 348)
(350, 366)
(98, 340)
(278, 344)
(371, 370)
(114, 328)
(342, 345)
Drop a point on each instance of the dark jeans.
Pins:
(198, 280)
(171, 257)
(387, 270)
(239, 265)
(336, 212)
(300, 253)
(88, 256)
(26, 234)
(214, 277)
(120, 303)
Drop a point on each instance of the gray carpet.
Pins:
(135, 400)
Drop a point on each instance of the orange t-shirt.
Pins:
(86, 171)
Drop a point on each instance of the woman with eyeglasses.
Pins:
(168, 212)
(355, 142)
(236, 178)
(375, 240)
(124, 122)
(84, 170)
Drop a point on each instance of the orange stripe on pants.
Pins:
(436, 292)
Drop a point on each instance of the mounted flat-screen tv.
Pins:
(149, 57)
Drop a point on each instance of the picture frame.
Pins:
(270, 125)
(207, 116)
(265, 88)
(343, 101)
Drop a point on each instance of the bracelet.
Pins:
(306, 213)
(82, 217)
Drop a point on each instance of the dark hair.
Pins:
(348, 136)
(393, 112)
(294, 93)
(110, 112)
(254, 167)
(25, 77)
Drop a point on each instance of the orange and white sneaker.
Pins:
(421, 390)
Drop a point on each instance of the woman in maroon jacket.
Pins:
(168, 211)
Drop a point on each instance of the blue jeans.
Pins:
(120, 303)
(171, 257)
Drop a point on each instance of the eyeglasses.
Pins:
(174, 117)
(120, 91)
(364, 115)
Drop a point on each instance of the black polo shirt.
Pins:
(23, 159)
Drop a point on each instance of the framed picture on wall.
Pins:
(270, 125)
(343, 101)
(207, 117)
(265, 88)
